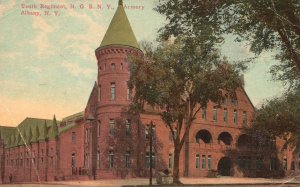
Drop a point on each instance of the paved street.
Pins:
(222, 181)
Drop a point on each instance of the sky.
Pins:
(47, 55)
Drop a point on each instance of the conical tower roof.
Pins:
(119, 31)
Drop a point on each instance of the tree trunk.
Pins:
(176, 165)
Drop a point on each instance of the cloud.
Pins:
(6, 8)
(76, 70)
(85, 43)
(43, 47)
(9, 55)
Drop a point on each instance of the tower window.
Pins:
(112, 127)
(128, 127)
(99, 127)
(99, 93)
(86, 135)
(113, 67)
(122, 67)
(128, 92)
(113, 91)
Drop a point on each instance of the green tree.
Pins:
(180, 77)
(280, 117)
(264, 24)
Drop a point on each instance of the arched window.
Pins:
(204, 135)
(225, 138)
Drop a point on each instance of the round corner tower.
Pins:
(117, 45)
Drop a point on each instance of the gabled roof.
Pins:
(29, 130)
(119, 31)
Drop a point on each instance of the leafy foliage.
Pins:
(265, 24)
(280, 117)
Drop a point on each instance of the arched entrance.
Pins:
(224, 166)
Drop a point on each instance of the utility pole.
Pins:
(150, 143)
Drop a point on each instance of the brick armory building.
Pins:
(104, 141)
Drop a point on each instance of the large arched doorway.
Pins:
(224, 166)
(225, 138)
(204, 136)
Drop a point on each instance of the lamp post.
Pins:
(150, 143)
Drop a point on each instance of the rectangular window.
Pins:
(113, 91)
(225, 115)
(86, 161)
(112, 127)
(127, 159)
(98, 159)
(299, 166)
(153, 133)
(73, 137)
(99, 92)
(259, 163)
(99, 127)
(244, 119)
(170, 161)
(73, 163)
(129, 94)
(113, 67)
(293, 166)
(147, 133)
(235, 117)
(147, 160)
(147, 136)
(197, 161)
(284, 164)
(86, 135)
(203, 113)
(128, 127)
(203, 161)
(170, 136)
(273, 164)
(111, 159)
(215, 114)
(209, 162)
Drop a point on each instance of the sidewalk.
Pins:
(222, 181)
